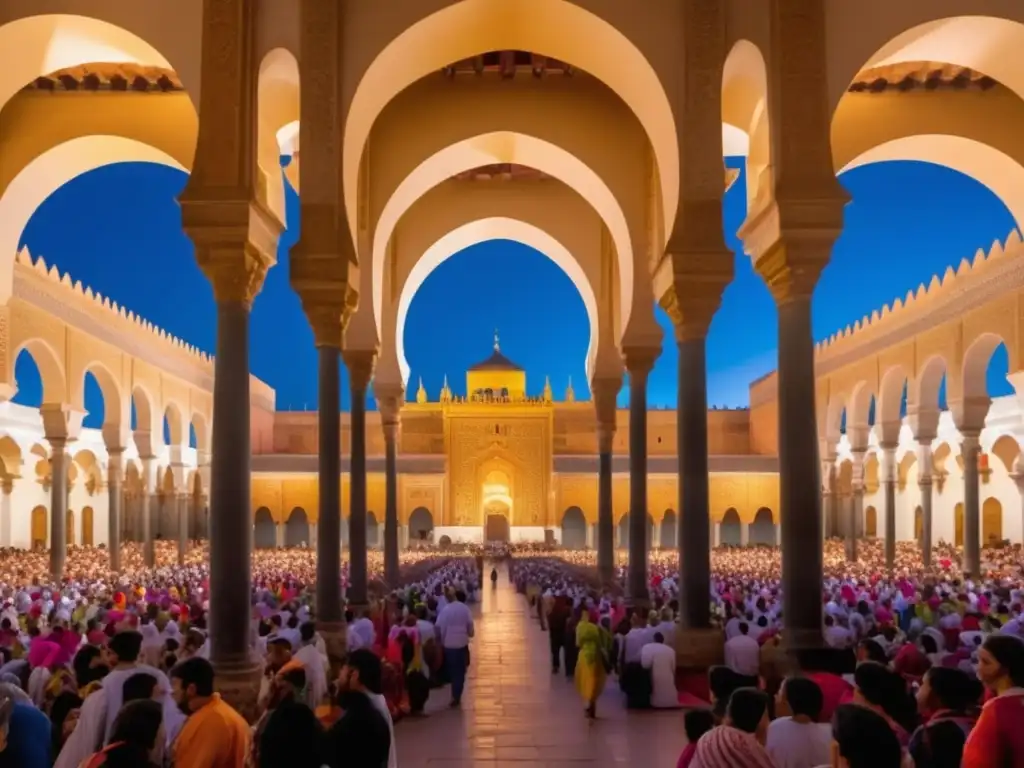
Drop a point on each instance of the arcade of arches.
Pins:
(504, 97)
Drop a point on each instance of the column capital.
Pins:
(61, 422)
(640, 360)
(692, 301)
(390, 398)
(360, 364)
(329, 316)
(791, 242)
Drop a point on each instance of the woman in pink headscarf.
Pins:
(43, 656)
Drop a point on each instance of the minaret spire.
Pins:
(497, 346)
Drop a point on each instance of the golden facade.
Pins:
(503, 464)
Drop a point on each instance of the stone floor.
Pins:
(516, 713)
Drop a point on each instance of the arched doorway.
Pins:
(730, 533)
(871, 522)
(919, 525)
(669, 530)
(622, 532)
(372, 530)
(421, 524)
(87, 527)
(264, 529)
(991, 522)
(70, 530)
(39, 528)
(762, 530)
(958, 525)
(296, 530)
(496, 526)
(574, 529)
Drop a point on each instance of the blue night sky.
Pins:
(117, 229)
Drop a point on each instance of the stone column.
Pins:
(328, 532)
(924, 482)
(715, 534)
(789, 232)
(829, 497)
(389, 401)
(58, 506)
(694, 492)
(970, 448)
(182, 517)
(639, 362)
(744, 534)
(7, 487)
(360, 369)
(605, 393)
(115, 500)
(855, 509)
(889, 484)
(145, 529)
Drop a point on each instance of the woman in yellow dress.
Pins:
(594, 645)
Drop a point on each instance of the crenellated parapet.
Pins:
(973, 283)
(37, 282)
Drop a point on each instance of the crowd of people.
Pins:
(922, 666)
(103, 670)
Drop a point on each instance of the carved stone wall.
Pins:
(519, 446)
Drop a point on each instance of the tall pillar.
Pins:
(58, 506)
(181, 504)
(855, 508)
(789, 233)
(360, 369)
(830, 499)
(329, 610)
(924, 482)
(639, 362)
(389, 401)
(7, 488)
(115, 500)
(605, 392)
(970, 449)
(235, 238)
(145, 528)
(889, 485)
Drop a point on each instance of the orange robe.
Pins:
(214, 736)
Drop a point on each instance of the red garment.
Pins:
(687, 756)
(910, 662)
(998, 737)
(834, 691)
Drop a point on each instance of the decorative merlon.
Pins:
(925, 298)
(129, 321)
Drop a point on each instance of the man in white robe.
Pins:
(660, 659)
(96, 719)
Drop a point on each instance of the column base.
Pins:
(335, 636)
(699, 649)
(239, 685)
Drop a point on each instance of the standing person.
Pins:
(455, 627)
(592, 664)
(796, 739)
(558, 618)
(137, 740)
(24, 735)
(948, 698)
(96, 718)
(215, 735)
(660, 660)
(362, 736)
(292, 737)
(997, 739)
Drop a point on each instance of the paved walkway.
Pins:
(516, 713)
